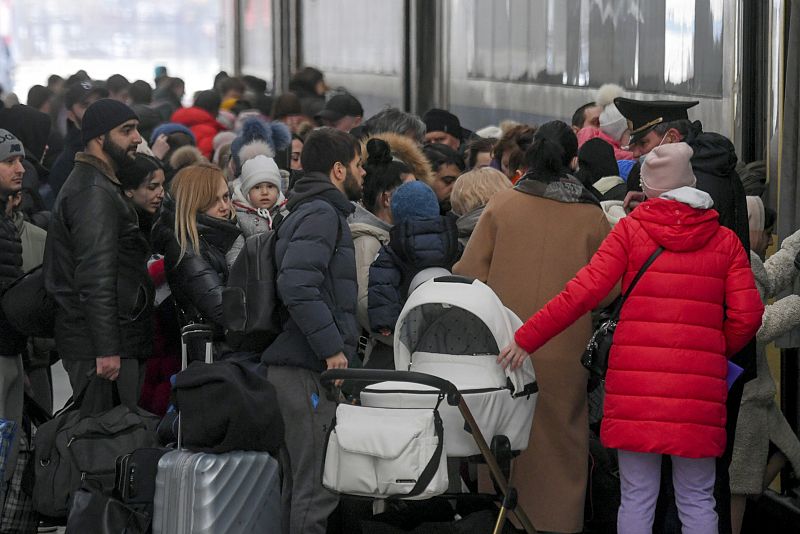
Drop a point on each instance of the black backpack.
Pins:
(250, 303)
(28, 307)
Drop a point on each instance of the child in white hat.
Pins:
(258, 198)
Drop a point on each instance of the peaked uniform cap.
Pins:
(644, 115)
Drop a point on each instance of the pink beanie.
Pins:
(667, 167)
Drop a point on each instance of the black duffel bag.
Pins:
(82, 443)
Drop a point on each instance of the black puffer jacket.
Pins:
(413, 246)
(95, 266)
(10, 250)
(10, 269)
(714, 165)
(197, 279)
(316, 278)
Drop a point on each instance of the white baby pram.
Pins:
(395, 443)
(453, 328)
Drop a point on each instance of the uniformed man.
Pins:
(653, 123)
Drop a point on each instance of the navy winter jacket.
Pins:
(414, 245)
(316, 278)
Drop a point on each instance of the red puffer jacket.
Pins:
(203, 125)
(694, 307)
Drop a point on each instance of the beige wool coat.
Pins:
(526, 248)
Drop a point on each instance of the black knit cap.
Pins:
(103, 116)
(440, 120)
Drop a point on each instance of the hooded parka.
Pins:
(694, 307)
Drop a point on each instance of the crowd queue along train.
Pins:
(538, 60)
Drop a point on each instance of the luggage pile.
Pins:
(103, 468)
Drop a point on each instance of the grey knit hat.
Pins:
(10, 146)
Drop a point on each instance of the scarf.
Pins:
(565, 188)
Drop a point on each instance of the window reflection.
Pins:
(679, 41)
(257, 37)
(648, 45)
(353, 36)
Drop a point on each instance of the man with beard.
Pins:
(11, 344)
(316, 283)
(95, 260)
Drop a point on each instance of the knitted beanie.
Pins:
(103, 116)
(267, 138)
(667, 167)
(169, 128)
(10, 146)
(612, 123)
(756, 216)
(259, 170)
(414, 200)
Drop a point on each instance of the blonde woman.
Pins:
(470, 194)
(198, 236)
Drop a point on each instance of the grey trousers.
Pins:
(129, 382)
(299, 390)
(12, 387)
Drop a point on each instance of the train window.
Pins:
(256, 36)
(672, 46)
(356, 36)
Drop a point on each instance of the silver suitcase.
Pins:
(199, 493)
(232, 493)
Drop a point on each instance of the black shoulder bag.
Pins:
(595, 357)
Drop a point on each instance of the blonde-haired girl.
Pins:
(200, 240)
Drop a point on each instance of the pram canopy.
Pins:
(453, 315)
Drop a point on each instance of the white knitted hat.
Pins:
(612, 123)
(258, 170)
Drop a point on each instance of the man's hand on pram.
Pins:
(337, 361)
(513, 355)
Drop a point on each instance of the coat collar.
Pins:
(100, 165)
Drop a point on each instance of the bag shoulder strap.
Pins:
(638, 276)
(433, 465)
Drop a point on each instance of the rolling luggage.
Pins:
(200, 493)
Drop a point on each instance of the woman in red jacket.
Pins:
(694, 307)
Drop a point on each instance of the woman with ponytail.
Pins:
(370, 225)
(529, 242)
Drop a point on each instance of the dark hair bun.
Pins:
(378, 152)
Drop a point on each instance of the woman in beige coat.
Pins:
(529, 242)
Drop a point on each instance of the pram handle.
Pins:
(380, 375)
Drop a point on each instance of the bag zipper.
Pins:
(98, 435)
(433, 392)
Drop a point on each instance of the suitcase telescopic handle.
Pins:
(197, 330)
(379, 375)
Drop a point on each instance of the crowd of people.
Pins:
(134, 208)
